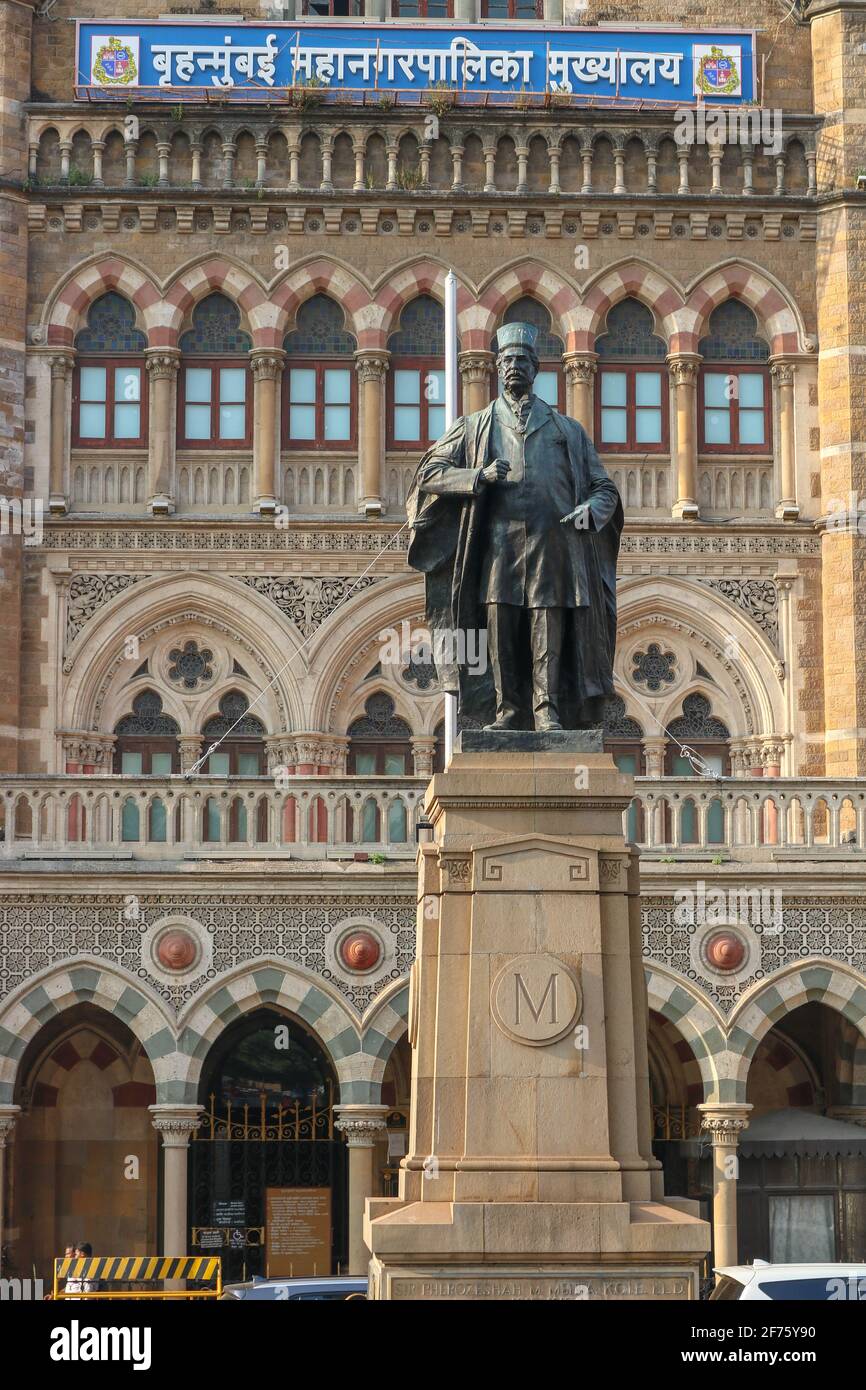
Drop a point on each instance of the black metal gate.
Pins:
(235, 1158)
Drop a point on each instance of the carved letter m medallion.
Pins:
(535, 1000)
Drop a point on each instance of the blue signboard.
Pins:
(174, 58)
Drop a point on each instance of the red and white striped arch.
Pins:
(632, 280)
(481, 318)
(67, 309)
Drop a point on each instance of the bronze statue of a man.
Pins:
(516, 526)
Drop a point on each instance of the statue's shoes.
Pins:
(499, 727)
(547, 726)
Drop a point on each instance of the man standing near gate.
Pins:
(516, 526)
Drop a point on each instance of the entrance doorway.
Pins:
(268, 1089)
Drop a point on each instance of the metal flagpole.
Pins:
(450, 416)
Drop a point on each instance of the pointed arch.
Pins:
(270, 982)
(524, 277)
(420, 276)
(631, 279)
(85, 980)
(838, 986)
(217, 273)
(778, 317)
(322, 275)
(695, 1019)
(66, 308)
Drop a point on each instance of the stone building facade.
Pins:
(222, 337)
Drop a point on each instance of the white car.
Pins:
(825, 1283)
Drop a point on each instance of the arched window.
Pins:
(550, 382)
(214, 407)
(416, 381)
(698, 728)
(734, 400)
(242, 752)
(422, 9)
(623, 739)
(512, 9)
(146, 739)
(380, 741)
(631, 409)
(319, 400)
(109, 388)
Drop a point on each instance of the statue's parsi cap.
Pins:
(517, 335)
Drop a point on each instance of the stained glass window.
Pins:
(629, 332)
(732, 335)
(320, 330)
(697, 721)
(147, 718)
(110, 327)
(528, 310)
(379, 740)
(617, 724)
(422, 330)
(215, 329)
(233, 707)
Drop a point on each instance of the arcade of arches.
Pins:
(267, 1119)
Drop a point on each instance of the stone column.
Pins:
(580, 369)
(190, 746)
(8, 1116)
(175, 1123)
(654, 746)
(725, 1121)
(267, 367)
(61, 363)
(362, 1126)
(423, 750)
(475, 369)
(162, 366)
(371, 367)
(782, 372)
(684, 374)
(98, 147)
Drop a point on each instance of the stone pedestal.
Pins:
(530, 1171)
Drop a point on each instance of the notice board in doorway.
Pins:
(298, 1231)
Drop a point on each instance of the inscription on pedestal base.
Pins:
(544, 1285)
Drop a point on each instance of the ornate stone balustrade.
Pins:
(532, 153)
(341, 816)
(809, 815)
(179, 817)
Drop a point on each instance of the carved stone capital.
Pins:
(725, 1121)
(266, 364)
(371, 367)
(475, 366)
(580, 369)
(61, 363)
(176, 1123)
(783, 373)
(162, 363)
(86, 747)
(8, 1115)
(361, 1124)
(684, 370)
(190, 746)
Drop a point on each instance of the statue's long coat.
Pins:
(448, 538)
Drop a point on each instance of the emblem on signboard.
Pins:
(115, 64)
(717, 70)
